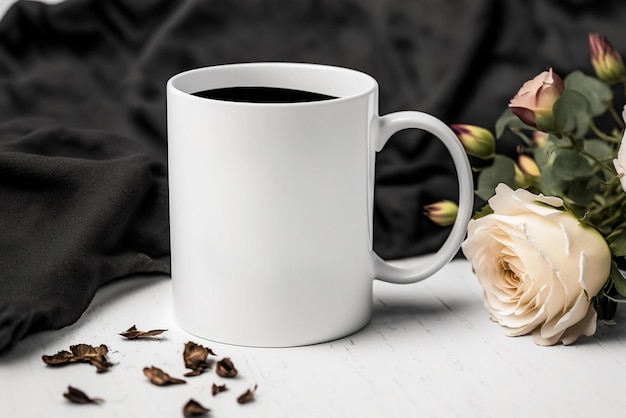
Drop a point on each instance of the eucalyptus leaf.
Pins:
(603, 153)
(597, 92)
(544, 155)
(617, 244)
(581, 191)
(618, 280)
(599, 149)
(550, 184)
(571, 113)
(501, 171)
(508, 119)
(569, 165)
(609, 167)
(581, 213)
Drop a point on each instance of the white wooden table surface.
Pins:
(429, 351)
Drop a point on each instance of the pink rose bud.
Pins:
(477, 141)
(533, 102)
(443, 213)
(606, 61)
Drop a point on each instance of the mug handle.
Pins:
(412, 270)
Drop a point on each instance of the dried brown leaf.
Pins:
(88, 351)
(247, 396)
(96, 356)
(159, 377)
(193, 408)
(225, 368)
(81, 353)
(100, 363)
(78, 396)
(215, 389)
(195, 356)
(133, 333)
(59, 359)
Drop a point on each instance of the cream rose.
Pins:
(538, 265)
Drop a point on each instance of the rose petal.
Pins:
(559, 324)
(586, 327)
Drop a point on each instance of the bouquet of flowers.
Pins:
(547, 246)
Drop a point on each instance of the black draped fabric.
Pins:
(83, 149)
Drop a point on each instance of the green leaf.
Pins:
(605, 307)
(581, 191)
(542, 156)
(501, 171)
(599, 149)
(484, 211)
(569, 165)
(604, 153)
(581, 213)
(618, 279)
(617, 243)
(508, 119)
(545, 155)
(550, 184)
(571, 113)
(597, 92)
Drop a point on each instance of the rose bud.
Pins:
(520, 179)
(533, 102)
(606, 61)
(477, 141)
(528, 166)
(443, 213)
(620, 161)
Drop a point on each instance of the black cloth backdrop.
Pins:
(83, 148)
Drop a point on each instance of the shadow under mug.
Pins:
(271, 204)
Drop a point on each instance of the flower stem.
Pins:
(613, 299)
(616, 116)
(602, 135)
(599, 163)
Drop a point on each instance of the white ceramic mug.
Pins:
(271, 204)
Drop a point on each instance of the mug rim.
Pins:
(362, 84)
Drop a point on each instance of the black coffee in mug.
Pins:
(262, 95)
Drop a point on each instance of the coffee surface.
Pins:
(262, 95)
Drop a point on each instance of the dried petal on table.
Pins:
(81, 353)
(195, 356)
(247, 396)
(215, 389)
(133, 333)
(96, 356)
(193, 408)
(225, 368)
(78, 396)
(159, 377)
(59, 359)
